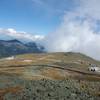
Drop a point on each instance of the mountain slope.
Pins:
(14, 47)
(44, 76)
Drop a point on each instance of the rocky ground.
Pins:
(60, 76)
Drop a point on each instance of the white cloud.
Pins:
(77, 31)
(52, 6)
(20, 35)
(91, 8)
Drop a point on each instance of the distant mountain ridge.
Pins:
(14, 47)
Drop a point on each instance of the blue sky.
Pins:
(33, 16)
(58, 25)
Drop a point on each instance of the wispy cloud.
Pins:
(52, 6)
(40, 2)
(20, 35)
(77, 31)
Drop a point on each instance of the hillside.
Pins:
(14, 47)
(49, 76)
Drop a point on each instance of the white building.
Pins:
(94, 69)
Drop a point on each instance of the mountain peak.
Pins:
(14, 40)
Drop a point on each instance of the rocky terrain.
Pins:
(49, 76)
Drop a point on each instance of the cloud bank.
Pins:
(78, 32)
(12, 33)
